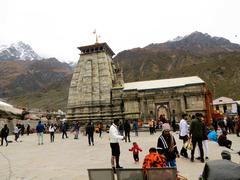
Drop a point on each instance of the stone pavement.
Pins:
(69, 159)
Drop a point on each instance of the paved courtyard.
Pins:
(70, 159)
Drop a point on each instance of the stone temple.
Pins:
(97, 92)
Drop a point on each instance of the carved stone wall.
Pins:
(145, 104)
(96, 92)
(90, 90)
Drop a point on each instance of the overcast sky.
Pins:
(55, 28)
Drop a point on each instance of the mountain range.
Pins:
(18, 51)
(215, 59)
(43, 83)
(28, 80)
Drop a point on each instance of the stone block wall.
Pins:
(144, 104)
(90, 90)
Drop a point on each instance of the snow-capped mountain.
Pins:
(178, 38)
(18, 51)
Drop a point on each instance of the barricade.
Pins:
(133, 174)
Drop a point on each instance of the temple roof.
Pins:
(223, 100)
(97, 47)
(163, 83)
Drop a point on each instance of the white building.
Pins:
(225, 105)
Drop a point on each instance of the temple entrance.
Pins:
(162, 111)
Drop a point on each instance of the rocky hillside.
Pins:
(25, 81)
(216, 60)
(44, 83)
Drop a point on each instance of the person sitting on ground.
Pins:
(212, 135)
(223, 141)
(223, 169)
(154, 159)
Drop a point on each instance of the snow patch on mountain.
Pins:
(178, 38)
(18, 51)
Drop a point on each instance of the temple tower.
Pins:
(90, 92)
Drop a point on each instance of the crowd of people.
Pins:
(165, 152)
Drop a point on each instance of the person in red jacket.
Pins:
(135, 149)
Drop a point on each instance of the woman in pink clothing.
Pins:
(135, 149)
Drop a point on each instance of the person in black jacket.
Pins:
(90, 132)
(4, 134)
(28, 129)
(121, 128)
(127, 129)
(64, 130)
(167, 146)
(204, 140)
(196, 134)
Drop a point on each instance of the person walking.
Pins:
(40, 129)
(100, 127)
(127, 129)
(51, 130)
(16, 132)
(114, 137)
(154, 126)
(135, 149)
(4, 134)
(174, 121)
(90, 132)
(167, 146)
(183, 135)
(76, 130)
(150, 124)
(230, 124)
(204, 141)
(22, 129)
(215, 124)
(64, 130)
(121, 128)
(28, 129)
(237, 126)
(196, 134)
(135, 127)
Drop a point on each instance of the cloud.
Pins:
(58, 27)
